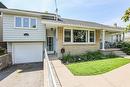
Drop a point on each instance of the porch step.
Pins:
(121, 54)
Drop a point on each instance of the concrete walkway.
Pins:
(117, 78)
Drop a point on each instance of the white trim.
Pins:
(103, 39)
(13, 59)
(71, 36)
(22, 17)
(51, 52)
(94, 36)
(88, 37)
(81, 26)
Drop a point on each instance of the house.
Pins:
(127, 36)
(27, 33)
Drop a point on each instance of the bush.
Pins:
(2, 51)
(89, 56)
(67, 58)
(92, 56)
(125, 47)
(111, 55)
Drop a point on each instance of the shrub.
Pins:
(111, 55)
(89, 56)
(67, 58)
(2, 51)
(125, 47)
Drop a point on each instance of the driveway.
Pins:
(23, 75)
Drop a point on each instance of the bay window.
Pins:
(79, 36)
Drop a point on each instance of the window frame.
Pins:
(94, 37)
(70, 36)
(87, 36)
(30, 23)
(23, 22)
(22, 27)
(15, 22)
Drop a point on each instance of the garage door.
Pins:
(27, 52)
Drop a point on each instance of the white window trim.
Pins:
(87, 42)
(23, 22)
(30, 22)
(94, 36)
(15, 22)
(22, 17)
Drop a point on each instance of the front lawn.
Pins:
(96, 67)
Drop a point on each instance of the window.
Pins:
(33, 23)
(26, 22)
(87, 36)
(91, 36)
(18, 22)
(79, 35)
(67, 35)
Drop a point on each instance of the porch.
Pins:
(110, 39)
(78, 38)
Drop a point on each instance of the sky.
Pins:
(101, 11)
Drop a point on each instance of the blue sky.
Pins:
(101, 11)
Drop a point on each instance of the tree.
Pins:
(126, 18)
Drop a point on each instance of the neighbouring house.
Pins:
(127, 36)
(27, 33)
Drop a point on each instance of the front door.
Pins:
(50, 45)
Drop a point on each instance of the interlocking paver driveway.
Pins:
(23, 75)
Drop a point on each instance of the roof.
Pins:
(2, 5)
(84, 24)
(27, 12)
(87, 23)
(63, 21)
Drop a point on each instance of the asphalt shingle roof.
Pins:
(87, 23)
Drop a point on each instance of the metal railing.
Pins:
(52, 80)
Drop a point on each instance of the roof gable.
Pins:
(2, 5)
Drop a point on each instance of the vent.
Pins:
(48, 17)
(51, 18)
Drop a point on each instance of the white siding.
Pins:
(10, 33)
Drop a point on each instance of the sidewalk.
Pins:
(117, 78)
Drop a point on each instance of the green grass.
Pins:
(96, 67)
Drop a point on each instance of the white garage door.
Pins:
(27, 52)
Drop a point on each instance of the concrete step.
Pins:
(121, 53)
